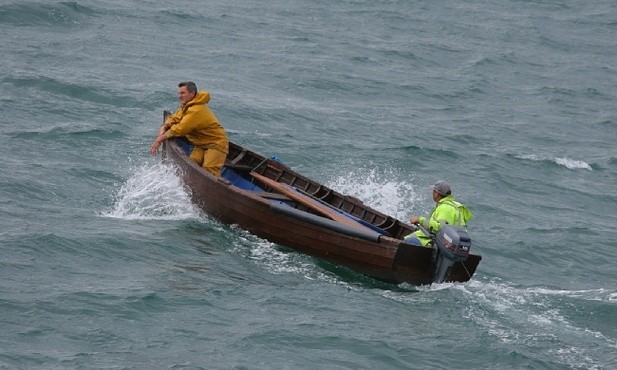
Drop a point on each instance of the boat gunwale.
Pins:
(401, 262)
(280, 172)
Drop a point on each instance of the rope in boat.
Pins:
(260, 164)
(467, 271)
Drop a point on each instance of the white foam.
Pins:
(571, 164)
(381, 192)
(153, 191)
(601, 294)
(280, 262)
(519, 315)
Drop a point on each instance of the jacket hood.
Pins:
(465, 212)
(202, 97)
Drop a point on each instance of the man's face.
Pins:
(184, 95)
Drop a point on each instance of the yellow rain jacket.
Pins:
(195, 121)
(446, 211)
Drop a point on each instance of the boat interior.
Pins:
(251, 171)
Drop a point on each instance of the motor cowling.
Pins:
(452, 244)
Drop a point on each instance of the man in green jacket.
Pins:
(447, 211)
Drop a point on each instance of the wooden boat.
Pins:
(270, 200)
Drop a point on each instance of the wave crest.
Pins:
(63, 14)
(571, 164)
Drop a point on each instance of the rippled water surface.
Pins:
(105, 263)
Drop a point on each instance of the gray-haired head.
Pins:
(190, 86)
(442, 188)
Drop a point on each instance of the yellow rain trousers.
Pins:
(195, 121)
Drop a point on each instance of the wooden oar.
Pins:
(307, 201)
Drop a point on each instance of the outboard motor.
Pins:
(452, 244)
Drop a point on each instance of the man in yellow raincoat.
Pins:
(196, 122)
(447, 211)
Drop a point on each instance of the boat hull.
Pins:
(379, 256)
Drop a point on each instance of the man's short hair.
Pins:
(190, 86)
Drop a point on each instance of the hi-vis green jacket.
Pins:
(195, 121)
(447, 211)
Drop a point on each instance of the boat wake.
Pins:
(537, 317)
(536, 322)
(277, 261)
(153, 192)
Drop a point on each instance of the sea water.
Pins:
(106, 263)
